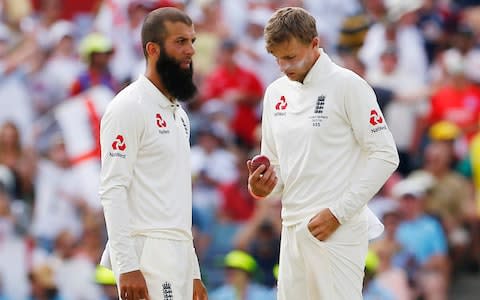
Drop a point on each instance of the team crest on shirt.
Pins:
(118, 146)
(161, 124)
(318, 117)
(377, 122)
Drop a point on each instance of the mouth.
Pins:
(186, 63)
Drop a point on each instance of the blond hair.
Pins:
(287, 23)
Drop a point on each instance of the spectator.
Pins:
(402, 113)
(14, 254)
(450, 198)
(62, 66)
(18, 161)
(43, 283)
(239, 271)
(236, 203)
(106, 279)
(96, 50)
(458, 101)
(57, 205)
(399, 29)
(212, 164)
(261, 238)
(242, 89)
(423, 236)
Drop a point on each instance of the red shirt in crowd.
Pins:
(236, 202)
(459, 106)
(223, 81)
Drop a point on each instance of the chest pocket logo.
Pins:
(161, 123)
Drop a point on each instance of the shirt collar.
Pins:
(154, 94)
(320, 69)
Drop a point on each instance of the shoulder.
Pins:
(349, 77)
(222, 292)
(127, 101)
(430, 223)
(280, 85)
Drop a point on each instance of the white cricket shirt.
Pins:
(145, 186)
(328, 141)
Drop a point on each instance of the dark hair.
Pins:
(153, 28)
(287, 23)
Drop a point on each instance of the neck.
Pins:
(316, 56)
(152, 75)
(241, 290)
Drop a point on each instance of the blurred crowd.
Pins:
(61, 62)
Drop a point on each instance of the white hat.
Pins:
(59, 30)
(397, 8)
(414, 185)
(214, 106)
(7, 178)
(5, 33)
(472, 65)
(453, 61)
(259, 16)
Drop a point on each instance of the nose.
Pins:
(190, 50)
(282, 64)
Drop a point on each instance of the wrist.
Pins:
(256, 197)
(334, 216)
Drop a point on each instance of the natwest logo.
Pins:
(161, 123)
(119, 143)
(375, 119)
(281, 104)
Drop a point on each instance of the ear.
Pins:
(316, 42)
(153, 50)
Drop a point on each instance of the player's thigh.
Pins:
(168, 269)
(335, 267)
(291, 275)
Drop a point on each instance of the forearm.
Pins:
(196, 266)
(117, 216)
(377, 171)
(437, 262)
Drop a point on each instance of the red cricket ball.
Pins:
(260, 160)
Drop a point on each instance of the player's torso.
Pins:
(308, 120)
(166, 133)
(162, 165)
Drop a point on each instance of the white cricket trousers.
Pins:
(167, 266)
(323, 270)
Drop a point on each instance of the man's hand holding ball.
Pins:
(262, 178)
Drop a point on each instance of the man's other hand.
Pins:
(199, 290)
(133, 286)
(323, 224)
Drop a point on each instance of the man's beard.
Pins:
(177, 81)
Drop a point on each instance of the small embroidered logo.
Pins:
(320, 104)
(375, 119)
(281, 104)
(160, 121)
(167, 291)
(119, 143)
